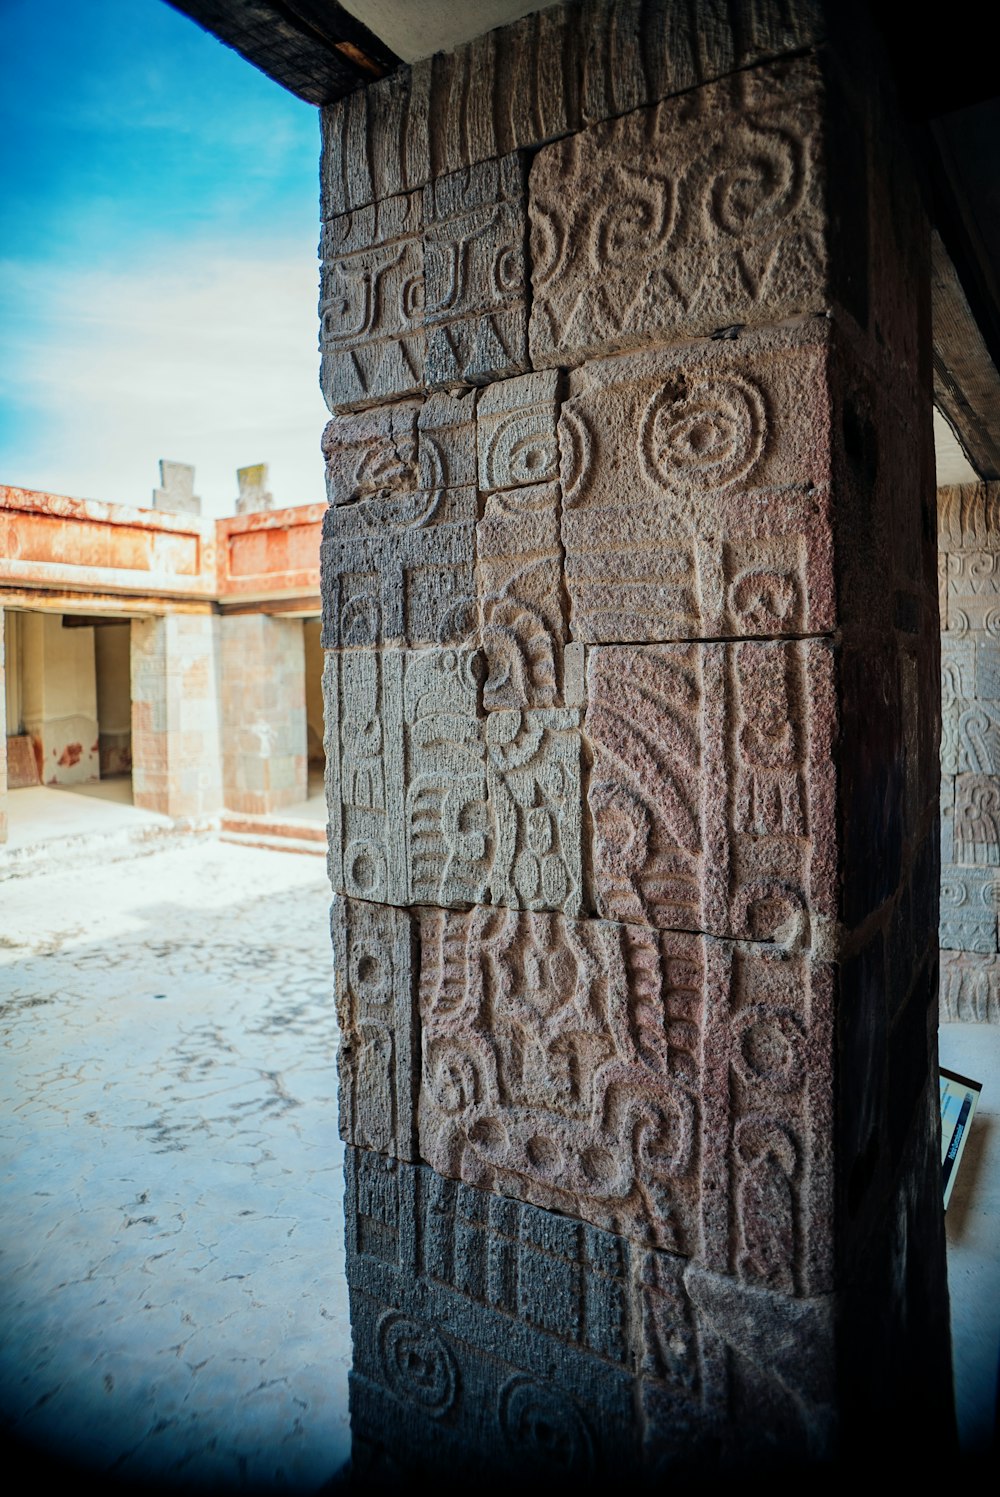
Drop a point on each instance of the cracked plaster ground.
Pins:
(172, 1294)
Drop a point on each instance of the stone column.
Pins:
(176, 735)
(631, 703)
(969, 575)
(263, 712)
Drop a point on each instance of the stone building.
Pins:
(632, 319)
(182, 651)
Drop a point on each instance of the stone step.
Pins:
(240, 824)
(277, 842)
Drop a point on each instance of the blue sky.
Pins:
(158, 277)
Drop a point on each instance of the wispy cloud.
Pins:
(201, 354)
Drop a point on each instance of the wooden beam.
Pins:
(314, 48)
(966, 382)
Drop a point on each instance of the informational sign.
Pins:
(959, 1098)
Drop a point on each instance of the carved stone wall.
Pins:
(631, 705)
(969, 578)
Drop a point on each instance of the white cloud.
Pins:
(204, 355)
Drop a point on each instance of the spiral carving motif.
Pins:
(545, 1427)
(417, 1363)
(709, 434)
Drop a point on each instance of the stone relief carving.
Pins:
(375, 998)
(475, 273)
(723, 223)
(970, 899)
(372, 303)
(970, 988)
(550, 1070)
(710, 793)
(516, 432)
(432, 802)
(696, 543)
(400, 570)
(499, 93)
(489, 1330)
(519, 590)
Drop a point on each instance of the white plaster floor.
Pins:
(172, 1297)
(45, 813)
(972, 1224)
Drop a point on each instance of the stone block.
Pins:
(977, 819)
(696, 492)
(376, 1001)
(712, 789)
(519, 594)
(372, 303)
(491, 1335)
(400, 570)
(363, 700)
(372, 453)
(973, 592)
(988, 669)
(476, 314)
(516, 432)
(430, 802)
(704, 212)
(666, 1086)
(448, 440)
(970, 898)
(969, 517)
(970, 988)
(535, 789)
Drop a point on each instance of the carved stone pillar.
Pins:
(969, 573)
(631, 696)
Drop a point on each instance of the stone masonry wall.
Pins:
(969, 575)
(176, 737)
(631, 710)
(263, 712)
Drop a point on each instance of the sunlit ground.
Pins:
(172, 1295)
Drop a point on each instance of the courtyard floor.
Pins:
(172, 1298)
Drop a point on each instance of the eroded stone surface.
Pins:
(494, 1334)
(430, 801)
(701, 213)
(372, 303)
(373, 452)
(448, 440)
(400, 570)
(970, 898)
(970, 988)
(712, 788)
(522, 627)
(666, 1086)
(516, 432)
(695, 490)
(475, 273)
(375, 998)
